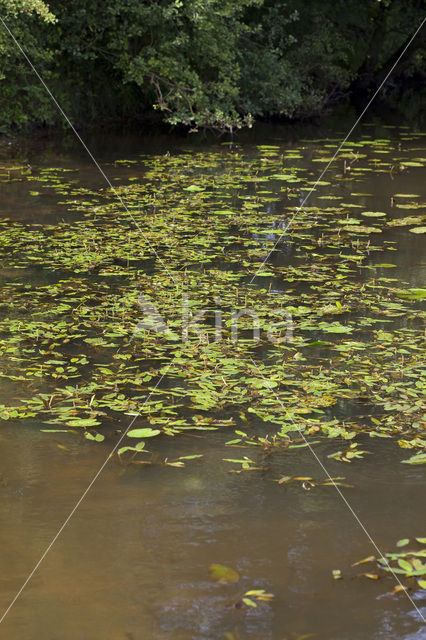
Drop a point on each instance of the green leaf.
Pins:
(368, 559)
(411, 294)
(82, 422)
(362, 229)
(193, 187)
(419, 458)
(138, 448)
(97, 438)
(403, 542)
(223, 574)
(408, 568)
(405, 195)
(143, 433)
(336, 328)
(418, 230)
(249, 602)
(124, 449)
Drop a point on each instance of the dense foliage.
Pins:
(201, 62)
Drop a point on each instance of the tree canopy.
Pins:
(201, 63)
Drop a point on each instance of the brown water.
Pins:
(133, 562)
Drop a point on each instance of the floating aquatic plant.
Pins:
(80, 362)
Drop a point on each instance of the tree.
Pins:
(22, 99)
(202, 63)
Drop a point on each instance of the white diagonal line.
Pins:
(80, 500)
(84, 494)
(341, 494)
(92, 157)
(336, 153)
(98, 473)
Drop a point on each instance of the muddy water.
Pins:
(132, 564)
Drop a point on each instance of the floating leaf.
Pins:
(249, 602)
(408, 568)
(405, 195)
(82, 422)
(193, 187)
(362, 229)
(398, 589)
(256, 594)
(419, 458)
(411, 294)
(373, 214)
(138, 448)
(223, 574)
(349, 221)
(368, 559)
(97, 438)
(403, 542)
(335, 328)
(403, 222)
(143, 433)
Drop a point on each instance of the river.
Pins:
(133, 561)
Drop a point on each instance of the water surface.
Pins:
(133, 561)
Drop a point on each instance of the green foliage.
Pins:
(408, 564)
(223, 574)
(22, 98)
(26, 7)
(201, 63)
(191, 60)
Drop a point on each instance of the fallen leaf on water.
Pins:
(398, 589)
(368, 559)
(222, 574)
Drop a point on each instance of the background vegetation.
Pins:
(202, 63)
